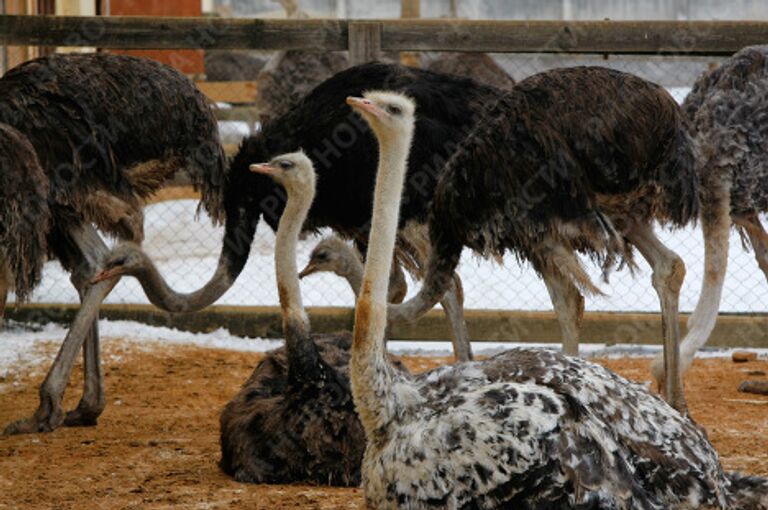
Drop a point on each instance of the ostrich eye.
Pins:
(116, 262)
(285, 164)
(394, 110)
(322, 256)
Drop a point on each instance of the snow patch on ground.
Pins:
(30, 349)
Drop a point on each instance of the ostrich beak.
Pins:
(310, 269)
(365, 105)
(106, 274)
(262, 168)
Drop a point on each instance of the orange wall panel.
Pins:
(186, 61)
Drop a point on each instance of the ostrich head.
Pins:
(125, 259)
(293, 171)
(387, 113)
(332, 255)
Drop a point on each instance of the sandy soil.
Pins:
(156, 445)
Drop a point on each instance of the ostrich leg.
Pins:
(668, 275)
(569, 307)
(92, 402)
(453, 306)
(49, 414)
(758, 238)
(5, 284)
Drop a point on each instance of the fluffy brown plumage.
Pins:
(107, 131)
(24, 213)
(273, 433)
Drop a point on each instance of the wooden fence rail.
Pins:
(636, 37)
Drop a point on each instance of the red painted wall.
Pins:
(186, 61)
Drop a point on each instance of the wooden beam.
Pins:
(229, 91)
(139, 32)
(364, 41)
(484, 325)
(634, 37)
(639, 37)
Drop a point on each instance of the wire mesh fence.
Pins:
(186, 249)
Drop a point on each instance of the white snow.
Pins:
(186, 252)
(29, 351)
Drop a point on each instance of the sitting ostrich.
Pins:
(107, 130)
(343, 152)
(294, 419)
(727, 109)
(524, 429)
(561, 169)
(24, 216)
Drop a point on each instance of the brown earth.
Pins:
(156, 445)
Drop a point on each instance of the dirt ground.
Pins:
(156, 445)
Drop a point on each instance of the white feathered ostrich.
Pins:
(107, 131)
(728, 112)
(525, 429)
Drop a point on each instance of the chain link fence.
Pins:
(186, 248)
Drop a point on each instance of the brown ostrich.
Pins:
(107, 130)
(728, 112)
(294, 419)
(25, 216)
(557, 169)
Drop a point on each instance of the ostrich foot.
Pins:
(43, 421)
(83, 416)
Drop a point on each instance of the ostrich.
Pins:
(294, 420)
(524, 429)
(343, 151)
(727, 110)
(24, 216)
(107, 130)
(334, 255)
(479, 66)
(561, 170)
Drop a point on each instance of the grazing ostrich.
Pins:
(294, 420)
(558, 169)
(524, 429)
(479, 66)
(343, 152)
(107, 130)
(333, 255)
(24, 216)
(728, 112)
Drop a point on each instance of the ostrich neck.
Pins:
(163, 296)
(301, 350)
(371, 374)
(353, 273)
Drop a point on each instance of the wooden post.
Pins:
(46, 7)
(410, 9)
(364, 41)
(3, 48)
